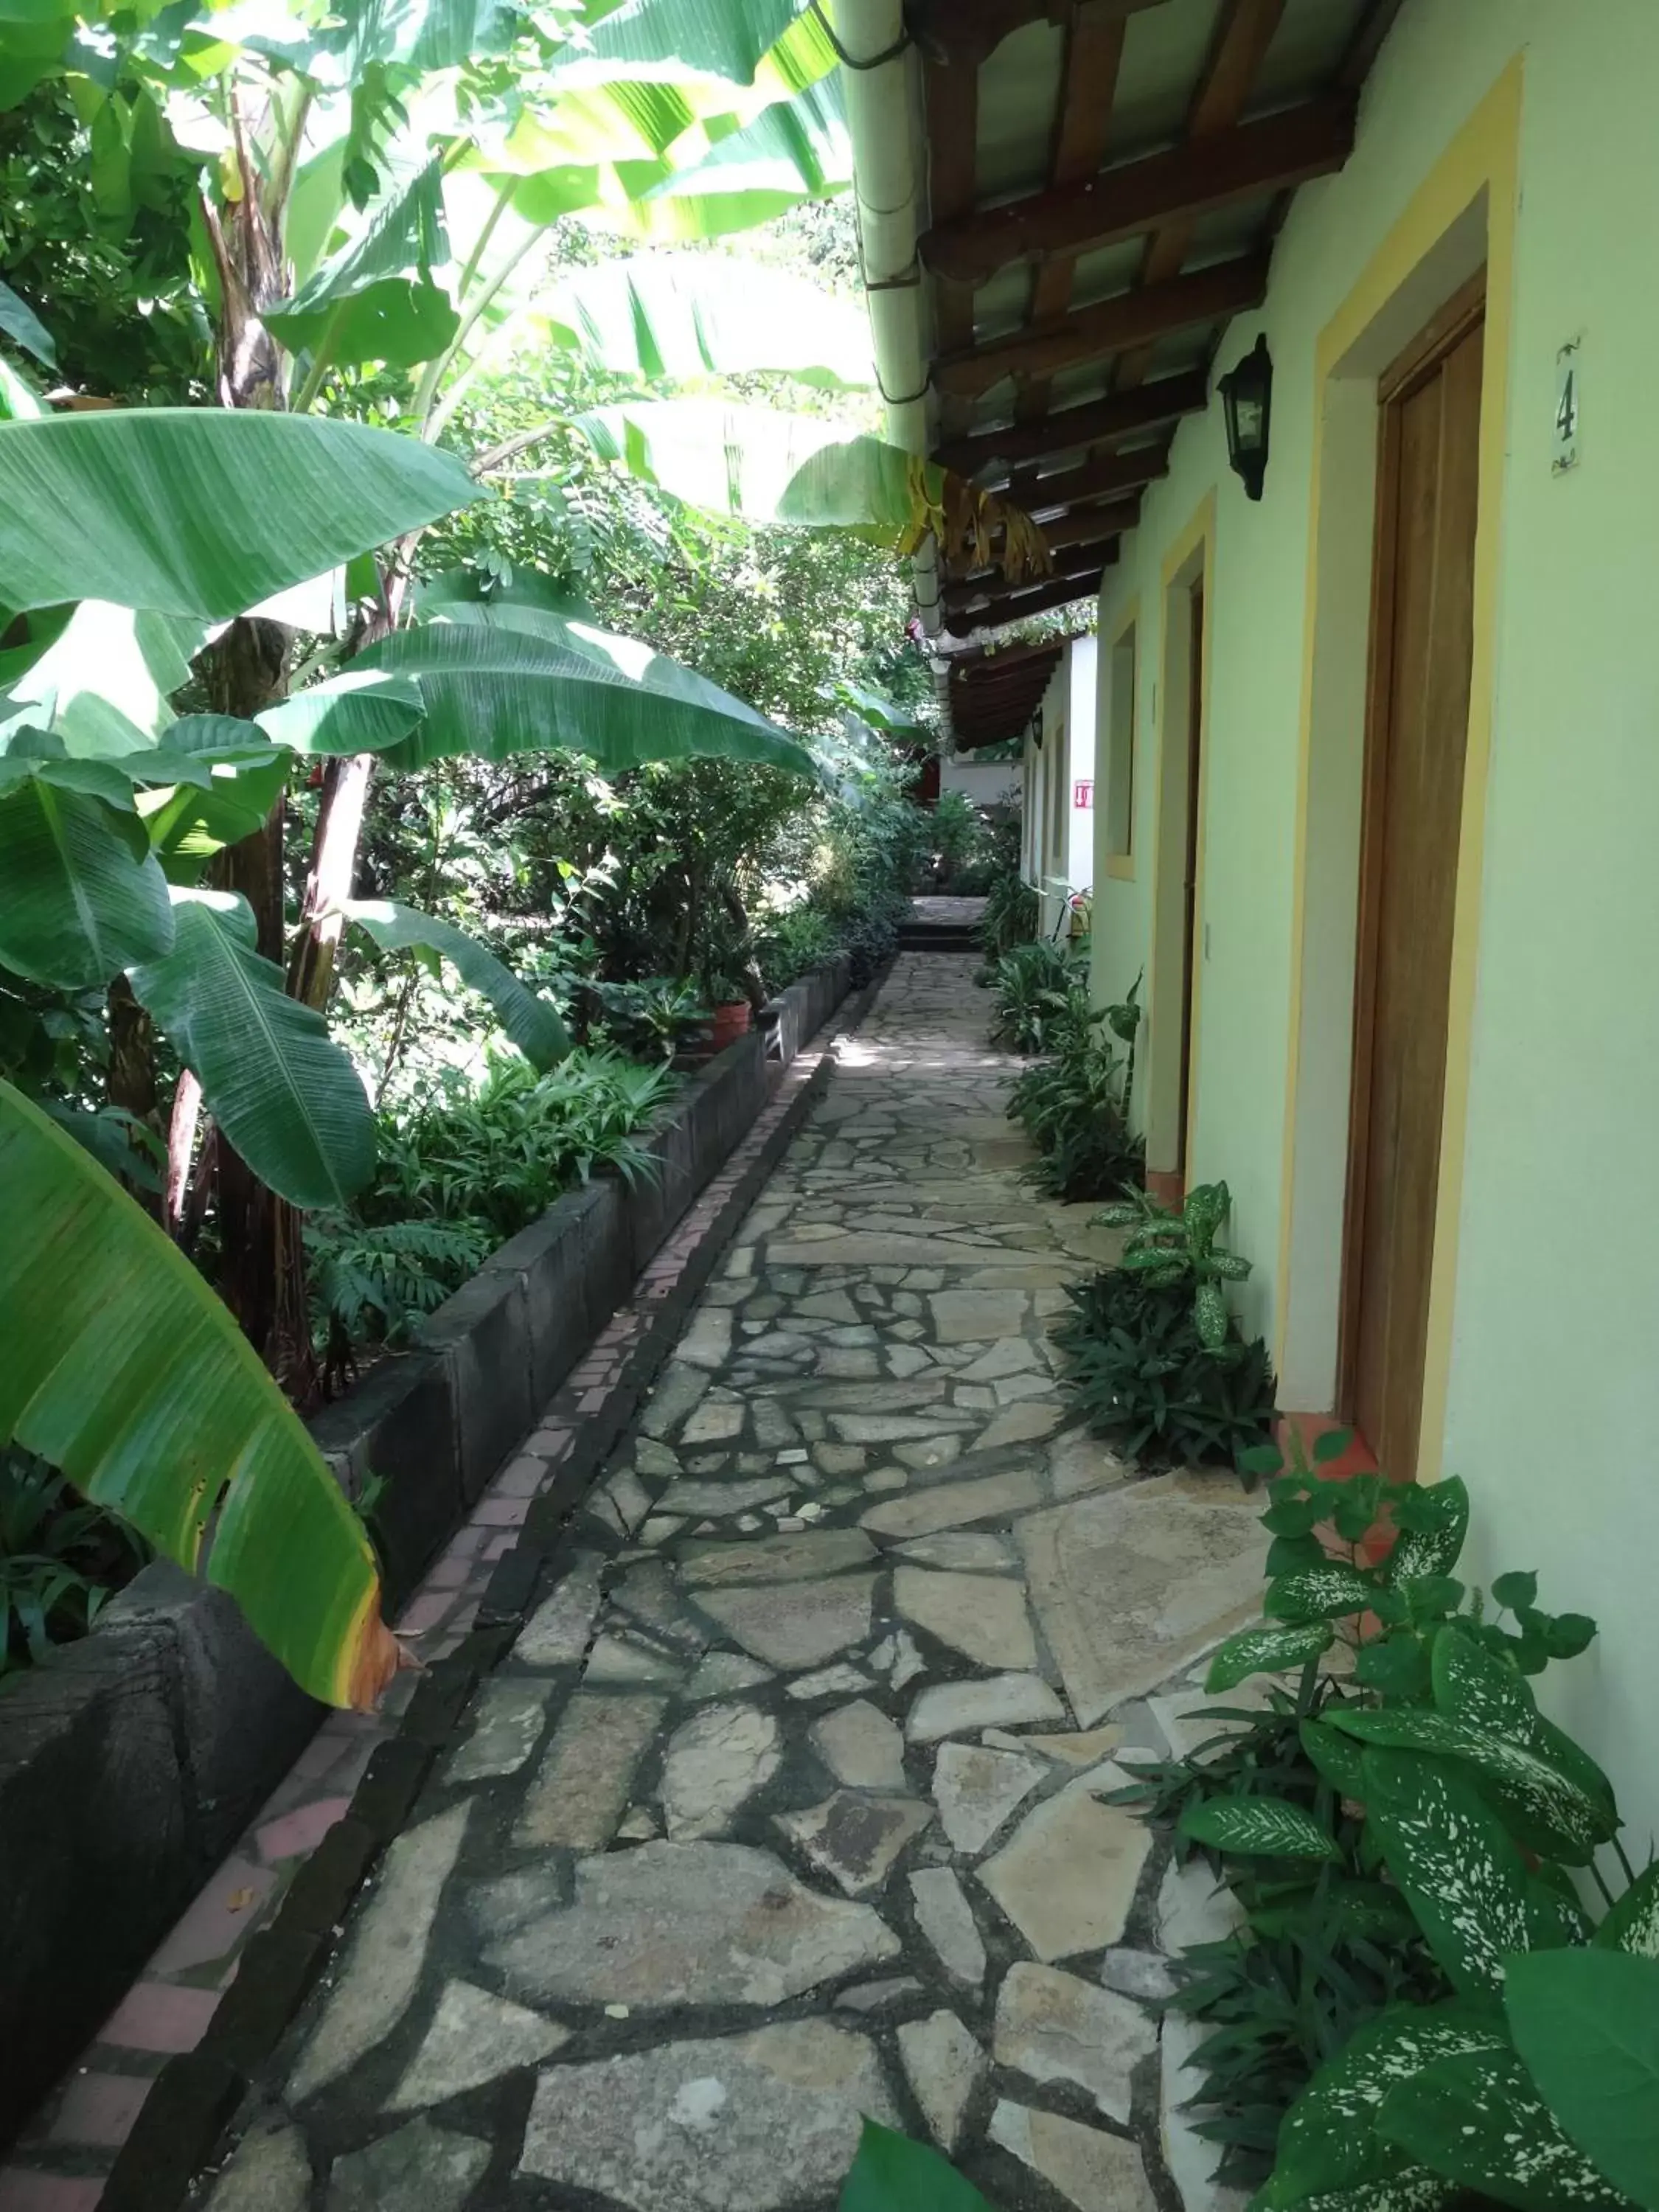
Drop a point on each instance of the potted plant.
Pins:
(729, 1004)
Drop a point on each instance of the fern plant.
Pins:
(369, 1282)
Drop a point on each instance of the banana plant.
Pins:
(119, 1365)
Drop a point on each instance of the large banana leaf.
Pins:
(282, 1092)
(769, 466)
(119, 1365)
(81, 896)
(676, 316)
(532, 1023)
(376, 300)
(667, 40)
(203, 510)
(794, 150)
(20, 323)
(361, 710)
(501, 680)
(100, 675)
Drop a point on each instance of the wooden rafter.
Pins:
(985, 664)
(1080, 560)
(1083, 523)
(1102, 478)
(977, 27)
(1242, 37)
(1071, 429)
(1089, 74)
(1095, 333)
(1245, 162)
(1018, 606)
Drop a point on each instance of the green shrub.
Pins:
(653, 1019)
(1012, 908)
(1071, 1107)
(794, 944)
(1145, 1380)
(1041, 997)
(504, 1151)
(60, 1559)
(368, 1284)
(1409, 2014)
(1176, 1251)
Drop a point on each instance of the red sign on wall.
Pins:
(1083, 792)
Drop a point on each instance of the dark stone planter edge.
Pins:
(130, 1761)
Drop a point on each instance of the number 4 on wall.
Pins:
(1569, 403)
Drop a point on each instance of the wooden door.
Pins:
(1417, 726)
(1189, 947)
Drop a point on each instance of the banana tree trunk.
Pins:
(262, 1265)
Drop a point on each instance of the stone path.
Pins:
(789, 1803)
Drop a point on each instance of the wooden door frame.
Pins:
(1197, 683)
(1418, 360)
(1189, 559)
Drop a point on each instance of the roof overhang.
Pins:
(1090, 191)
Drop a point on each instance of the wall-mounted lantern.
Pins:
(1246, 393)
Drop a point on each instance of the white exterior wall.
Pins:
(1547, 1300)
(983, 783)
(1059, 842)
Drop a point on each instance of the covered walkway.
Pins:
(789, 1802)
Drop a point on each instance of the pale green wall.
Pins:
(1553, 1403)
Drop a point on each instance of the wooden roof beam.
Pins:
(1083, 523)
(1072, 428)
(1113, 473)
(1243, 33)
(1075, 561)
(983, 662)
(1092, 334)
(1019, 605)
(970, 30)
(1188, 180)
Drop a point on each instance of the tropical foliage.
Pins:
(228, 631)
(1406, 1835)
(1074, 1107)
(1155, 1360)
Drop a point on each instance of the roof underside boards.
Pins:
(994, 695)
(1106, 179)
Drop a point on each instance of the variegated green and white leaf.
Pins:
(1327, 1593)
(1545, 1810)
(1264, 1827)
(1414, 2189)
(1433, 1548)
(1480, 1686)
(1632, 1925)
(1267, 1651)
(1210, 1312)
(1477, 2118)
(1327, 2143)
(1456, 1863)
(1338, 1758)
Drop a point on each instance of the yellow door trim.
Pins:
(1197, 537)
(1482, 158)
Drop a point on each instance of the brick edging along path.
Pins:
(223, 1983)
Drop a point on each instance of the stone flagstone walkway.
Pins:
(788, 1804)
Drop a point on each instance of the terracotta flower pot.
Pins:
(731, 1021)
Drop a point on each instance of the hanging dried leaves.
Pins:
(975, 530)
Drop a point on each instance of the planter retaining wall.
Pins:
(130, 1761)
